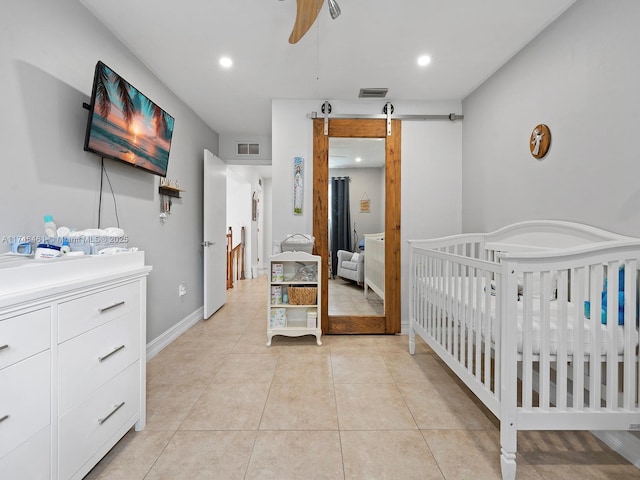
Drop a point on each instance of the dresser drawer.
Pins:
(25, 390)
(24, 335)
(93, 423)
(89, 360)
(82, 314)
(31, 460)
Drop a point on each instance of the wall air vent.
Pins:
(246, 148)
(373, 92)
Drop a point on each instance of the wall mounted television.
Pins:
(125, 125)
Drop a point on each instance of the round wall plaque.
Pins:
(540, 141)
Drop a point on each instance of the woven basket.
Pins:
(302, 295)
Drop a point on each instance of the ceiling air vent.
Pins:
(373, 92)
(246, 148)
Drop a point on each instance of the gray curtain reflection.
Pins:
(340, 219)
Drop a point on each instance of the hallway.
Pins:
(222, 405)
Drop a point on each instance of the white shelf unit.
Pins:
(299, 270)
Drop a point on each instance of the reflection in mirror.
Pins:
(356, 208)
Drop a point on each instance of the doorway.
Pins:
(390, 322)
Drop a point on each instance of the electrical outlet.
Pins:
(182, 289)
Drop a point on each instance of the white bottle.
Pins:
(50, 229)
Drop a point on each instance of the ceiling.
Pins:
(372, 44)
(357, 152)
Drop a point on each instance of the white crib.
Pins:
(374, 263)
(520, 316)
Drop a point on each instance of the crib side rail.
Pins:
(374, 264)
(578, 333)
(452, 299)
(543, 319)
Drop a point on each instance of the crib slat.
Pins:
(563, 341)
(545, 335)
(437, 294)
(464, 320)
(442, 301)
(630, 318)
(448, 291)
(499, 319)
(433, 301)
(432, 295)
(456, 307)
(478, 306)
(437, 299)
(578, 294)
(420, 288)
(474, 332)
(612, 335)
(422, 279)
(472, 314)
(595, 359)
(450, 317)
(488, 326)
(461, 314)
(527, 344)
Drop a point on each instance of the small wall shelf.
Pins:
(170, 191)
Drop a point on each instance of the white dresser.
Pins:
(72, 362)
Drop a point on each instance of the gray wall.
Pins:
(581, 77)
(48, 51)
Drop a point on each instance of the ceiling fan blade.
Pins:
(306, 14)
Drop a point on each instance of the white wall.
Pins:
(580, 77)
(48, 51)
(291, 136)
(228, 150)
(431, 168)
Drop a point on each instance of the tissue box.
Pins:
(278, 318)
(277, 272)
(312, 318)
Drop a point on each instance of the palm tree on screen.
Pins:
(104, 76)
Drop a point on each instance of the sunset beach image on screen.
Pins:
(125, 125)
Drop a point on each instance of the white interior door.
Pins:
(215, 233)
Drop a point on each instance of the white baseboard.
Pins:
(156, 345)
(621, 442)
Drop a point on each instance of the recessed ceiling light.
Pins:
(226, 62)
(424, 60)
(358, 159)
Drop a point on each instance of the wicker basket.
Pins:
(302, 295)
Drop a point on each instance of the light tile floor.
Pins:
(222, 405)
(347, 298)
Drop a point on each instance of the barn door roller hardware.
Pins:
(387, 114)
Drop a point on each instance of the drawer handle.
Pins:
(115, 350)
(104, 309)
(2, 419)
(117, 407)
(2, 347)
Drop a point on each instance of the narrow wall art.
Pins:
(298, 185)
